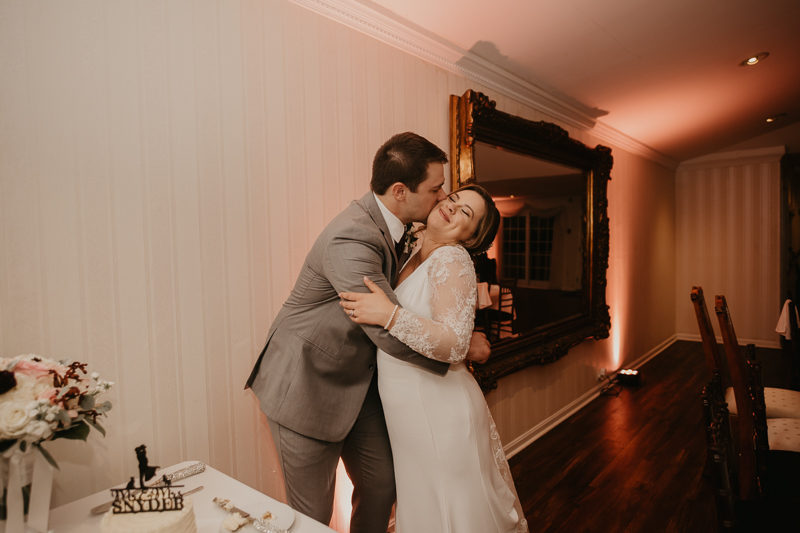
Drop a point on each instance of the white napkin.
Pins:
(783, 326)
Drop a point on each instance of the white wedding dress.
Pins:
(450, 468)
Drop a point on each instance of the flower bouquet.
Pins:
(41, 400)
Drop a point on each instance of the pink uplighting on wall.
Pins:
(342, 501)
(617, 298)
(616, 340)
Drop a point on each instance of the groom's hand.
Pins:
(479, 348)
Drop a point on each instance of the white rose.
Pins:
(14, 419)
(41, 385)
(39, 430)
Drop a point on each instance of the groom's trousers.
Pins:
(309, 471)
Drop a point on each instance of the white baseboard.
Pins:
(530, 436)
(758, 342)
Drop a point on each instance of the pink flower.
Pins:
(49, 395)
(32, 369)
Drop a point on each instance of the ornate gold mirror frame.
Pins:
(474, 118)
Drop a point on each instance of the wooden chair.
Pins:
(720, 453)
(748, 481)
(733, 513)
(706, 330)
(754, 427)
(776, 441)
(501, 320)
(795, 345)
(781, 403)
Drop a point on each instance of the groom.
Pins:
(316, 377)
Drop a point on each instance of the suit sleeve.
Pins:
(348, 258)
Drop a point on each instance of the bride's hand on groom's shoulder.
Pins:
(373, 308)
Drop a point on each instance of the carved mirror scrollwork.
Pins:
(546, 273)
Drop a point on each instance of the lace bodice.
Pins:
(453, 288)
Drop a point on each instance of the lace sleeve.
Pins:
(445, 337)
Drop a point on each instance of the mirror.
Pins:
(543, 282)
(541, 240)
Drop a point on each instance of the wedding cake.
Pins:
(180, 521)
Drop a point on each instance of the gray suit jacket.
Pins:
(316, 374)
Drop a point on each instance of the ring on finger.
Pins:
(351, 312)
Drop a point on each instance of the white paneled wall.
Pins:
(728, 235)
(164, 168)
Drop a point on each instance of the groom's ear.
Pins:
(399, 191)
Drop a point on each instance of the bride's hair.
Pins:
(487, 227)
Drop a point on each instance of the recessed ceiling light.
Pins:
(752, 60)
(773, 118)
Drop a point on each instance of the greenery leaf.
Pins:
(87, 402)
(64, 418)
(77, 431)
(48, 457)
(96, 425)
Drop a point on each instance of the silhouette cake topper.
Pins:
(144, 499)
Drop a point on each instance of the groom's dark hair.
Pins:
(404, 158)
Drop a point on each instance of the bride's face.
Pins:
(456, 217)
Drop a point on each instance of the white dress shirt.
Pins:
(396, 228)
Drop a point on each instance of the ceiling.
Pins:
(665, 72)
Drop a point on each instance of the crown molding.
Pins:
(753, 156)
(607, 133)
(385, 26)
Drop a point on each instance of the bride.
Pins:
(450, 468)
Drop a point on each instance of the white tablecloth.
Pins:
(783, 326)
(75, 517)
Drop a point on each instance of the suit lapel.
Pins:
(370, 204)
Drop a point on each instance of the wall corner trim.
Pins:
(735, 158)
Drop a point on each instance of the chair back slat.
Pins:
(706, 330)
(760, 433)
(502, 320)
(720, 458)
(748, 482)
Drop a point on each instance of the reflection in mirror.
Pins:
(539, 247)
(543, 283)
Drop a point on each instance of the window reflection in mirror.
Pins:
(539, 249)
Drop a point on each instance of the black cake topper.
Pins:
(157, 498)
(146, 472)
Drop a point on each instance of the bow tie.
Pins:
(400, 246)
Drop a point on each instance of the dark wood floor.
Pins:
(631, 463)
